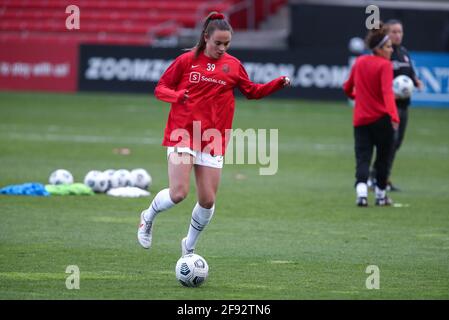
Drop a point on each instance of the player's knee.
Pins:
(178, 193)
(207, 203)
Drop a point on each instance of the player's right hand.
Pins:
(286, 81)
(395, 125)
(182, 98)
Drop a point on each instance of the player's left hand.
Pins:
(419, 83)
(286, 81)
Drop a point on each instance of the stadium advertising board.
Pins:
(43, 67)
(433, 70)
(314, 74)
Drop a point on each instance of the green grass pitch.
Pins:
(293, 235)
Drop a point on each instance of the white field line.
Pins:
(291, 146)
(51, 137)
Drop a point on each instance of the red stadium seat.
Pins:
(115, 21)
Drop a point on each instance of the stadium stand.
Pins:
(135, 22)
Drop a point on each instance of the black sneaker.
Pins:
(391, 187)
(362, 202)
(383, 202)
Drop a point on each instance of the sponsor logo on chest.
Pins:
(197, 77)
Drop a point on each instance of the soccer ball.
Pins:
(356, 45)
(60, 176)
(403, 87)
(96, 180)
(140, 178)
(121, 178)
(109, 174)
(192, 270)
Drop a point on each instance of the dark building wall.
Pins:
(331, 27)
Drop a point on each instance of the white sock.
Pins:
(380, 194)
(362, 189)
(161, 202)
(200, 219)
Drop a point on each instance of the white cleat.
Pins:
(184, 249)
(145, 232)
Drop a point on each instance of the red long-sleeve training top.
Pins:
(371, 84)
(210, 84)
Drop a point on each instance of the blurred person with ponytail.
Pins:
(200, 85)
(375, 117)
(402, 65)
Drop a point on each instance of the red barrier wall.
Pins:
(38, 66)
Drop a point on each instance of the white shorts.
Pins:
(199, 158)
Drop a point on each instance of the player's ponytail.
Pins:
(214, 21)
(376, 38)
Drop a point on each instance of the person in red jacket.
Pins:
(200, 85)
(375, 115)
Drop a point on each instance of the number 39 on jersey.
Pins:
(210, 67)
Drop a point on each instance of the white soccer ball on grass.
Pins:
(121, 178)
(96, 180)
(192, 270)
(60, 176)
(140, 178)
(109, 176)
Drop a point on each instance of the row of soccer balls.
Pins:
(101, 181)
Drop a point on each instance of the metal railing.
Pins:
(250, 7)
(156, 41)
(244, 5)
(250, 12)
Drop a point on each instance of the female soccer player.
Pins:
(199, 85)
(402, 64)
(375, 114)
